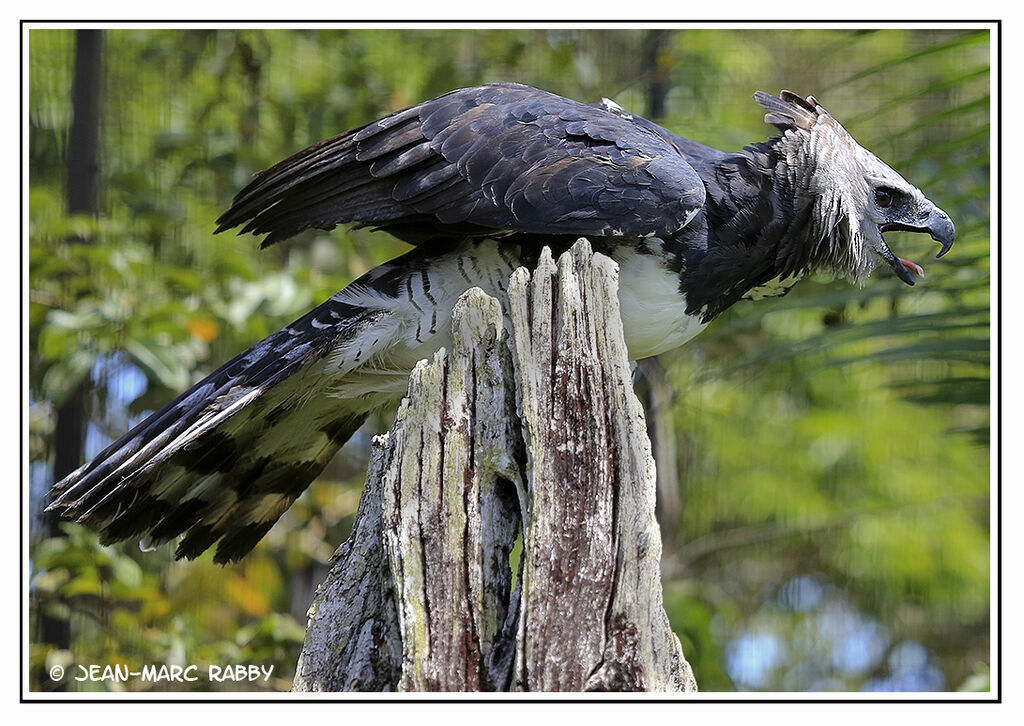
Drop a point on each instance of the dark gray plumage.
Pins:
(500, 157)
(480, 179)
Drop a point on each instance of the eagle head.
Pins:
(855, 197)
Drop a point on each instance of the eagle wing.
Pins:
(500, 157)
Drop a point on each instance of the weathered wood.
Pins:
(592, 603)
(450, 508)
(419, 594)
(529, 425)
(352, 640)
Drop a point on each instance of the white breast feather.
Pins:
(654, 316)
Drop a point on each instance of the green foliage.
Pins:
(833, 444)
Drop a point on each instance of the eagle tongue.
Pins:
(912, 266)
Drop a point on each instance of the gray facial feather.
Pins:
(840, 176)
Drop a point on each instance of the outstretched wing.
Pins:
(496, 157)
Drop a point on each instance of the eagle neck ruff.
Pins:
(768, 219)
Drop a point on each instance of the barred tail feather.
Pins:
(223, 461)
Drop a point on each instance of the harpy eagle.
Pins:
(479, 180)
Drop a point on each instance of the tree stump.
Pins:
(526, 432)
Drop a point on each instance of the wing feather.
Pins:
(500, 157)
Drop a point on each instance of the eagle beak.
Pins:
(941, 228)
(930, 219)
(900, 266)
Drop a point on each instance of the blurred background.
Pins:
(823, 458)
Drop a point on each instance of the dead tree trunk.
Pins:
(528, 430)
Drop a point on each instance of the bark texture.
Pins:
(527, 432)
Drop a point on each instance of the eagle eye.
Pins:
(884, 197)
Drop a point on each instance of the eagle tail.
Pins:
(224, 460)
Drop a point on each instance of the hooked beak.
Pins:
(941, 228)
(931, 220)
